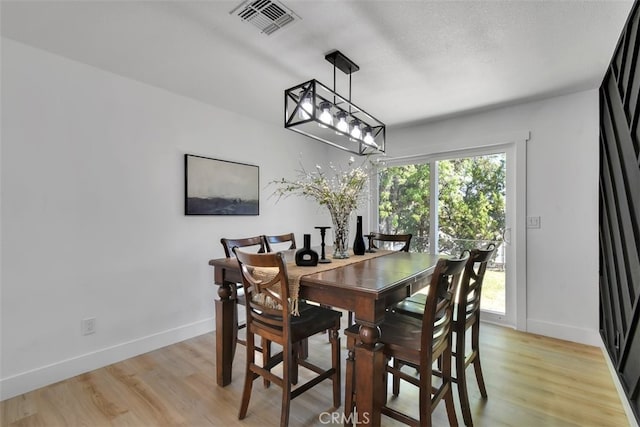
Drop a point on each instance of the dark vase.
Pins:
(358, 244)
(306, 256)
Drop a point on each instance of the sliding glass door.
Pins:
(471, 210)
(453, 202)
(405, 202)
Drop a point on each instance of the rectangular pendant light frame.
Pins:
(308, 122)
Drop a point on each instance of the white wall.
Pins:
(562, 188)
(92, 213)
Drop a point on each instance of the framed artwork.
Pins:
(220, 187)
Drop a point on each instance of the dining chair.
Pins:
(269, 316)
(391, 240)
(466, 316)
(256, 244)
(277, 239)
(418, 343)
(273, 242)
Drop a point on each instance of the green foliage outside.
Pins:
(493, 291)
(471, 202)
(471, 211)
(404, 203)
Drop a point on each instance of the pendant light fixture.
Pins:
(318, 112)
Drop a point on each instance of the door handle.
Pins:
(506, 236)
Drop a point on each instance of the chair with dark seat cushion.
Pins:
(466, 316)
(269, 316)
(255, 243)
(399, 242)
(272, 243)
(277, 239)
(418, 343)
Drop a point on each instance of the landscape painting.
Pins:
(220, 187)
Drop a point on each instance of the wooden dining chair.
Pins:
(418, 343)
(269, 316)
(272, 243)
(256, 244)
(466, 316)
(278, 239)
(393, 240)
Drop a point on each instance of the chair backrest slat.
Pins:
(282, 238)
(394, 238)
(257, 242)
(438, 311)
(470, 289)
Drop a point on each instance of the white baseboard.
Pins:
(49, 374)
(616, 380)
(564, 332)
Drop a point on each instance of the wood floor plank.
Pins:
(531, 381)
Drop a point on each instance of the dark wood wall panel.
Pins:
(630, 52)
(630, 366)
(617, 202)
(612, 252)
(619, 232)
(631, 84)
(627, 187)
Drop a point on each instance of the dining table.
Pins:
(366, 286)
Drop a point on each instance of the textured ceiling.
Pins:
(419, 60)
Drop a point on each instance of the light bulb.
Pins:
(342, 125)
(325, 115)
(306, 108)
(368, 137)
(356, 132)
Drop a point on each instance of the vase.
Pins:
(340, 235)
(306, 256)
(358, 243)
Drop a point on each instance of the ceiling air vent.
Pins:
(268, 15)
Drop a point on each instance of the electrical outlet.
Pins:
(89, 326)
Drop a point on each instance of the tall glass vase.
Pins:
(340, 234)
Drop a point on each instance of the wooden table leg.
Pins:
(369, 376)
(226, 334)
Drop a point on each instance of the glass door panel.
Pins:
(471, 211)
(404, 202)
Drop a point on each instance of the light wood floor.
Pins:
(531, 381)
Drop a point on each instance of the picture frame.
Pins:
(220, 187)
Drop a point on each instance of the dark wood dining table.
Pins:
(365, 288)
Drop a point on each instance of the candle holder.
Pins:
(323, 232)
(370, 248)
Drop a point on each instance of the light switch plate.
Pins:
(533, 222)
